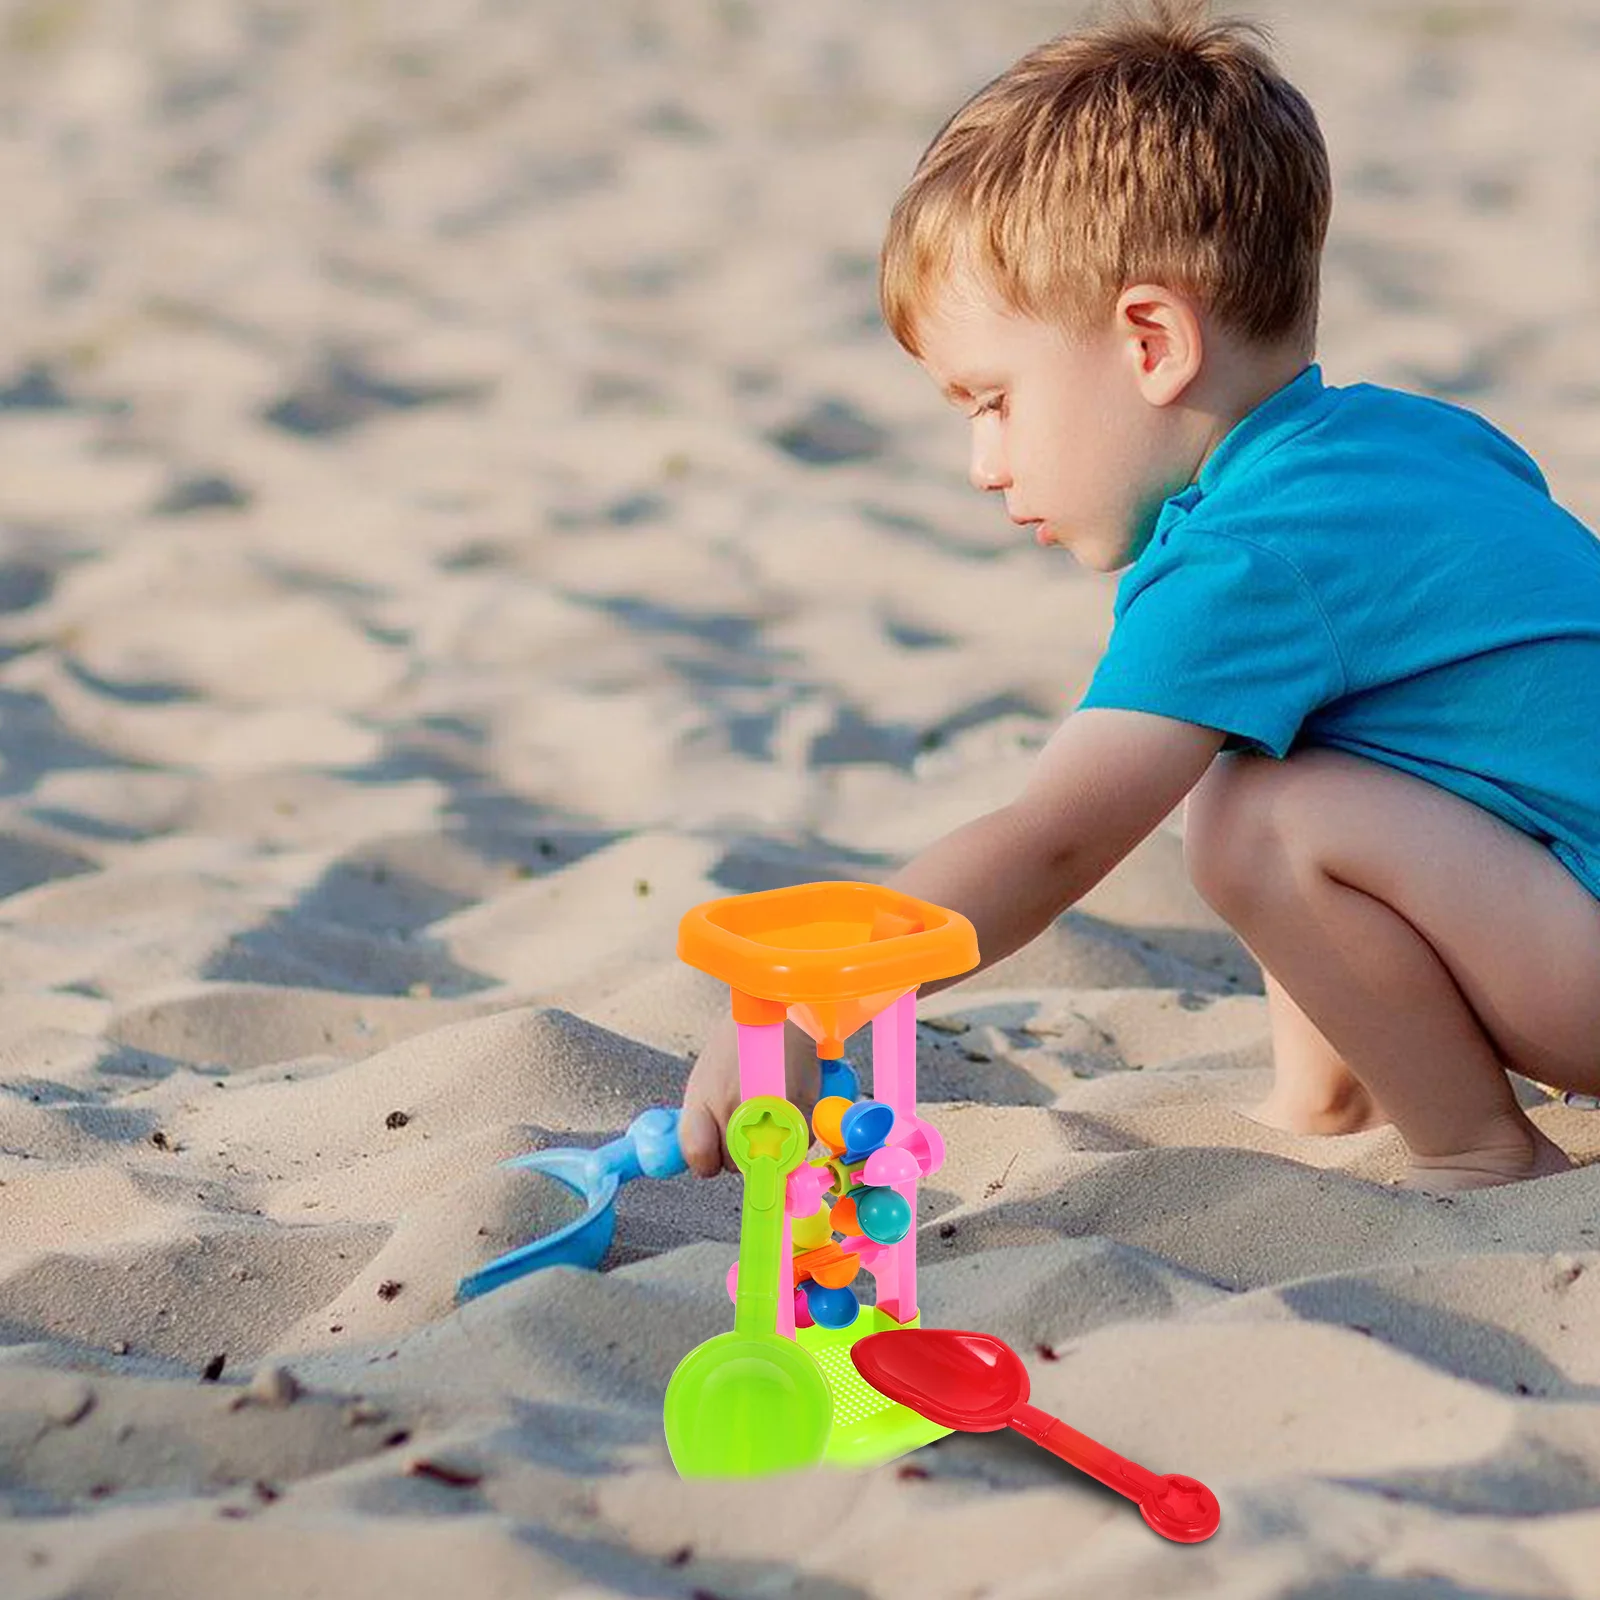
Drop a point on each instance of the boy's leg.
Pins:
(1430, 944)
(1313, 1088)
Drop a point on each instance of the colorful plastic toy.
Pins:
(749, 1402)
(977, 1383)
(648, 1149)
(830, 957)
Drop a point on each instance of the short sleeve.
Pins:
(1222, 632)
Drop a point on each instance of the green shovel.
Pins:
(751, 1402)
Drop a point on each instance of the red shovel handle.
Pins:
(1177, 1507)
(1086, 1454)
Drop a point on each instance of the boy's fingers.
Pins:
(701, 1141)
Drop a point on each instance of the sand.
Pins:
(460, 510)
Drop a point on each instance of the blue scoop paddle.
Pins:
(649, 1149)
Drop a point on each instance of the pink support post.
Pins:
(761, 1071)
(761, 1060)
(894, 1081)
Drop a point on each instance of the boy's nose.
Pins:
(987, 470)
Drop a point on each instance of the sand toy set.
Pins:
(809, 1375)
(829, 957)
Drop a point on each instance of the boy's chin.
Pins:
(1103, 549)
(1102, 557)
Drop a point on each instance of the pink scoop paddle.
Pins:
(976, 1383)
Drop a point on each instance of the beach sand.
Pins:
(460, 510)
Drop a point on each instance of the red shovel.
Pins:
(978, 1384)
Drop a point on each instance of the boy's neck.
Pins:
(1235, 379)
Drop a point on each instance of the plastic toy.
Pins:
(751, 1373)
(977, 1383)
(648, 1149)
(829, 957)
(1568, 1097)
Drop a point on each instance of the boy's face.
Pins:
(1058, 426)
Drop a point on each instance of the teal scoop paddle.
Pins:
(751, 1402)
(648, 1149)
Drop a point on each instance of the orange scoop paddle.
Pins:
(976, 1383)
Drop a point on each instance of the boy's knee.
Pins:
(1227, 826)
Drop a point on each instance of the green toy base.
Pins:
(867, 1429)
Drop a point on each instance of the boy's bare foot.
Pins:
(1352, 1113)
(1482, 1169)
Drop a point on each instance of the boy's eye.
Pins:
(996, 404)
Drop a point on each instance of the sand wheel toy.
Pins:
(829, 957)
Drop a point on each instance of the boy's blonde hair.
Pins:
(1163, 148)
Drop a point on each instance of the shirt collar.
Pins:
(1284, 413)
(1303, 400)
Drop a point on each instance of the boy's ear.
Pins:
(1159, 332)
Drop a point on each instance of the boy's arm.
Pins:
(1102, 783)
(1105, 779)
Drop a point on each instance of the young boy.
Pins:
(1355, 636)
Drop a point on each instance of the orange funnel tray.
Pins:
(829, 956)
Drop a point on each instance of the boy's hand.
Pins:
(712, 1093)
(709, 1098)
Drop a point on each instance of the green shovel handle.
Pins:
(767, 1140)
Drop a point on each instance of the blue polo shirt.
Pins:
(1384, 574)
